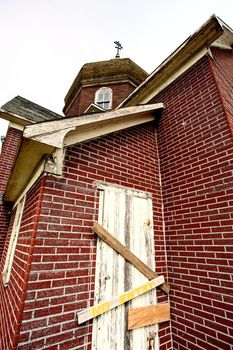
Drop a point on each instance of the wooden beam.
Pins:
(15, 118)
(148, 315)
(83, 134)
(199, 41)
(99, 309)
(90, 120)
(127, 254)
(54, 139)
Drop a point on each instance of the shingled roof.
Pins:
(30, 110)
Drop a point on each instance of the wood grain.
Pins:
(127, 254)
(148, 315)
(108, 305)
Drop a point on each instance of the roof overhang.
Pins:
(187, 54)
(43, 140)
(225, 41)
(14, 118)
(30, 155)
(69, 131)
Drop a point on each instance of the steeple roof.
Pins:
(106, 72)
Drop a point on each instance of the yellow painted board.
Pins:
(99, 309)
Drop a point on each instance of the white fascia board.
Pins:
(15, 118)
(16, 126)
(54, 132)
(198, 42)
(225, 41)
(157, 89)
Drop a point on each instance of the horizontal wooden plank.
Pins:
(48, 127)
(127, 254)
(99, 309)
(148, 315)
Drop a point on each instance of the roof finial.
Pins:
(118, 47)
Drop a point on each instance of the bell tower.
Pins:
(101, 86)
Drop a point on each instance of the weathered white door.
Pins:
(126, 214)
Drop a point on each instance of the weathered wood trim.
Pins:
(148, 315)
(15, 118)
(28, 159)
(54, 163)
(13, 241)
(101, 185)
(16, 126)
(162, 80)
(101, 129)
(39, 170)
(99, 309)
(161, 84)
(51, 127)
(127, 254)
(179, 61)
(54, 139)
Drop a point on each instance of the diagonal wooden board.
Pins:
(99, 309)
(148, 315)
(127, 254)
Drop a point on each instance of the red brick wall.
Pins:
(7, 157)
(87, 96)
(222, 68)
(12, 297)
(63, 268)
(195, 150)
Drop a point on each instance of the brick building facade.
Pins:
(171, 138)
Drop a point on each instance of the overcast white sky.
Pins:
(44, 43)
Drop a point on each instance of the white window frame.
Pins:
(13, 241)
(105, 100)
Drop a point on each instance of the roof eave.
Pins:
(41, 140)
(200, 40)
(54, 133)
(14, 118)
(29, 157)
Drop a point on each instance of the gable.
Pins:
(212, 33)
(43, 143)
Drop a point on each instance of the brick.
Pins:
(190, 161)
(41, 333)
(194, 145)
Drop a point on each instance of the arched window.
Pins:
(103, 98)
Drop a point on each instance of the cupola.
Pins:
(101, 86)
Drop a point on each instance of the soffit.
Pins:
(28, 158)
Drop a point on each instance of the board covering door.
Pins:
(127, 214)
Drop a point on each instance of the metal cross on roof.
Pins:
(118, 47)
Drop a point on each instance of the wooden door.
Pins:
(127, 214)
